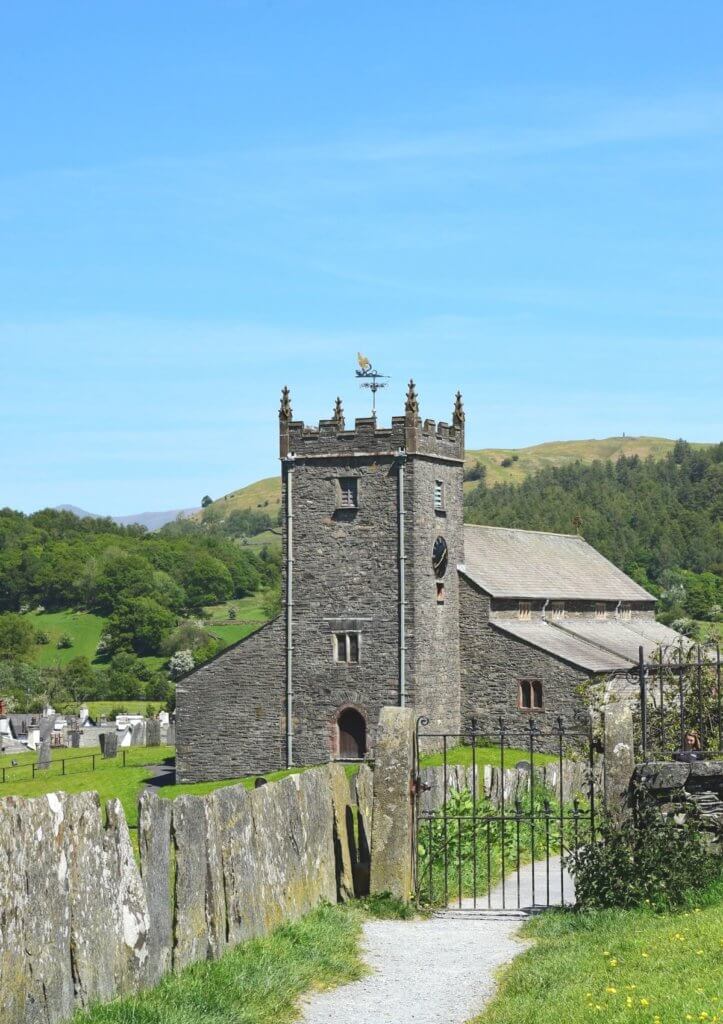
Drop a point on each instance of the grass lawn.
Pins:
(258, 982)
(109, 780)
(631, 966)
(484, 755)
(84, 627)
(98, 709)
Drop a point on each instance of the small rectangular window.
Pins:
(524, 610)
(346, 648)
(557, 610)
(440, 592)
(439, 495)
(530, 695)
(601, 611)
(348, 495)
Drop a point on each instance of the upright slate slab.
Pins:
(393, 823)
(200, 918)
(154, 841)
(364, 790)
(130, 903)
(43, 760)
(138, 734)
(343, 831)
(619, 763)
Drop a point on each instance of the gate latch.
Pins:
(419, 786)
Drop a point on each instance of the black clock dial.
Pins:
(440, 556)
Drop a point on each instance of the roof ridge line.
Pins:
(521, 529)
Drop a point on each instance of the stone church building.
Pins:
(388, 598)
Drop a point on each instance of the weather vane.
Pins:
(371, 379)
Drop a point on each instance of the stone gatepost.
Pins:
(619, 762)
(393, 805)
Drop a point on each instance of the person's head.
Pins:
(691, 740)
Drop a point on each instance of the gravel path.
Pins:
(439, 970)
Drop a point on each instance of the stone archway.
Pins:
(352, 734)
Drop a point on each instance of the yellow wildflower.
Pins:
(644, 1002)
(610, 989)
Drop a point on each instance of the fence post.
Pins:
(619, 760)
(393, 838)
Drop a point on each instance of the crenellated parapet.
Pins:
(408, 433)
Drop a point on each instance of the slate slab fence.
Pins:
(82, 922)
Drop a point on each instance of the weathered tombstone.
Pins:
(619, 762)
(171, 734)
(108, 743)
(138, 734)
(153, 732)
(74, 737)
(44, 753)
(393, 814)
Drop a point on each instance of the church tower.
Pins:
(372, 536)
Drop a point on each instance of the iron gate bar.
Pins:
(459, 826)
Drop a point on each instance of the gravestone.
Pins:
(153, 732)
(44, 753)
(74, 737)
(171, 734)
(138, 734)
(108, 744)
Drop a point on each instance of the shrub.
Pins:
(180, 664)
(65, 641)
(41, 637)
(506, 462)
(232, 612)
(16, 636)
(650, 858)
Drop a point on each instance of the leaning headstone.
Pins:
(44, 753)
(153, 732)
(108, 743)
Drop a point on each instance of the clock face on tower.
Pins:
(440, 557)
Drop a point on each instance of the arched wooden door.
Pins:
(352, 734)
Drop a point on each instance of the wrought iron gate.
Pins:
(497, 813)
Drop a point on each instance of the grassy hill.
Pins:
(265, 494)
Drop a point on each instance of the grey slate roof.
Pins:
(618, 637)
(572, 649)
(529, 564)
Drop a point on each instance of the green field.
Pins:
(109, 780)
(249, 616)
(102, 708)
(84, 628)
(265, 495)
(631, 966)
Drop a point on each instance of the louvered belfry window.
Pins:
(348, 492)
(438, 495)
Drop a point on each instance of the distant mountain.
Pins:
(151, 520)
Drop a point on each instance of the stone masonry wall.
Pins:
(231, 711)
(345, 578)
(433, 628)
(492, 665)
(82, 924)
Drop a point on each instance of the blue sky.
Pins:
(201, 202)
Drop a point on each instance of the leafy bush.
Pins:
(180, 664)
(41, 637)
(65, 641)
(506, 462)
(16, 636)
(651, 858)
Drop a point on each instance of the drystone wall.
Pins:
(81, 922)
(512, 783)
